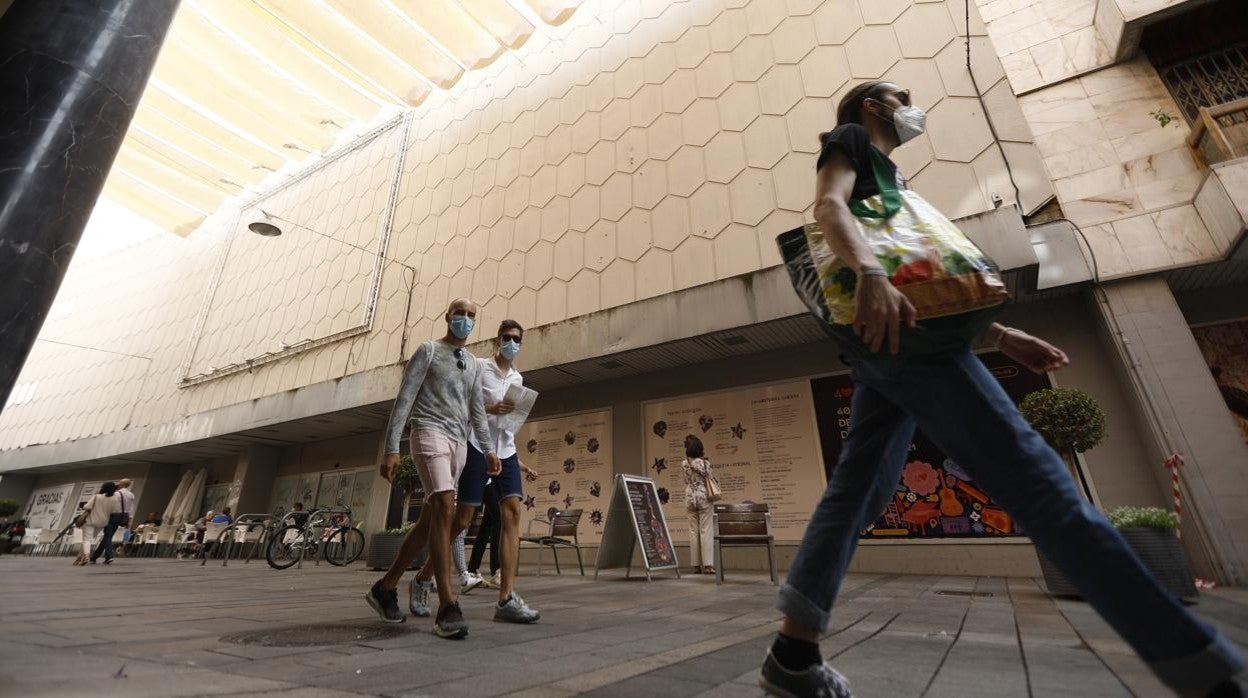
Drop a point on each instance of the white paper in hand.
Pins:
(522, 400)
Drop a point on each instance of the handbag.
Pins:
(713, 491)
(932, 263)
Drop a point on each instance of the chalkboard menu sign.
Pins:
(635, 520)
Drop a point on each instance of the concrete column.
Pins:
(1180, 410)
(254, 476)
(73, 74)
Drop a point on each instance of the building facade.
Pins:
(616, 185)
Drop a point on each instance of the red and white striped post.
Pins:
(1173, 463)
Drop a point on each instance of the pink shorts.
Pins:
(439, 459)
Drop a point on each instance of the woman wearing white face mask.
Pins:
(914, 369)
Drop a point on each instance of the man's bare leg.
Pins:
(442, 520)
(508, 546)
(463, 519)
(416, 539)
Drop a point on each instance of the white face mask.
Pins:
(910, 122)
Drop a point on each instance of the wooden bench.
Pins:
(740, 525)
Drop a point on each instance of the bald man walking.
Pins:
(442, 398)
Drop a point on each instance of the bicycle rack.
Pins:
(250, 521)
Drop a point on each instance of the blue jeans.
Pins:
(105, 547)
(966, 413)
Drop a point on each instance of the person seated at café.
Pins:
(226, 516)
(297, 515)
(13, 536)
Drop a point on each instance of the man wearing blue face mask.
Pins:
(497, 375)
(442, 398)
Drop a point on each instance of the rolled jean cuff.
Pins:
(802, 610)
(1202, 670)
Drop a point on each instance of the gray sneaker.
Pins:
(515, 611)
(418, 598)
(819, 681)
(450, 623)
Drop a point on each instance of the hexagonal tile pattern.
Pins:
(793, 39)
(780, 89)
(824, 71)
(923, 30)
(753, 196)
(872, 51)
(634, 232)
(539, 265)
(739, 106)
(600, 245)
(583, 294)
(958, 130)
(795, 181)
(766, 141)
(700, 122)
(836, 21)
(650, 184)
(725, 157)
(710, 210)
(670, 223)
(569, 255)
(618, 284)
(883, 11)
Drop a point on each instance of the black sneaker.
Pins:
(818, 681)
(450, 623)
(386, 603)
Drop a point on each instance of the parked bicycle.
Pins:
(327, 532)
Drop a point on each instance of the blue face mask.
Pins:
(509, 349)
(461, 326)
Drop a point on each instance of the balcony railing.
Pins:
(1221, 132)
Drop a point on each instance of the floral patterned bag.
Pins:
(927, 258)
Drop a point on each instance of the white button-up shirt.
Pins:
(127, 501)
(494, 386)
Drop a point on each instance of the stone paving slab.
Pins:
(156, 628)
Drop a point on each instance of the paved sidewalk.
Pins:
(156, 628)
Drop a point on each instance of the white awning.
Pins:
(243, 87)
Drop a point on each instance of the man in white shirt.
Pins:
(497, 374)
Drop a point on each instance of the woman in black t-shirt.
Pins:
(963, 409)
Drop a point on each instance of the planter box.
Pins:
(1158, 550)
(384, 547)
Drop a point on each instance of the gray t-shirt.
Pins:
(437, 394)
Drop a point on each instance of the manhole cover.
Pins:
(314, 635)
(973, 594)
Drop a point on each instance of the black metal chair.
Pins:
(563, 534)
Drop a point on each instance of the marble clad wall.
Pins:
(1119, 174)
(643, 147)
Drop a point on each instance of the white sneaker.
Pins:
(495, 581)
(469, 581)
(418, 598)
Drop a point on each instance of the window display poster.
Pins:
(572, 456)
(762, 444)
(935, 497)
(1225, 347)
(46, 506)
(86, 493)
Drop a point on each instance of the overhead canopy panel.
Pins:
(243, 87)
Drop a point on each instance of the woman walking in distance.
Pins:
(912, 374)
(99, 511)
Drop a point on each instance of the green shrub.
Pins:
(400, 531)
(406, 477)
(1143, 517)
(8, 507)
(1068, 418)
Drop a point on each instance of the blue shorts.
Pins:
(472, 481)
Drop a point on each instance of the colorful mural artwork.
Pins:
(935, 497)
